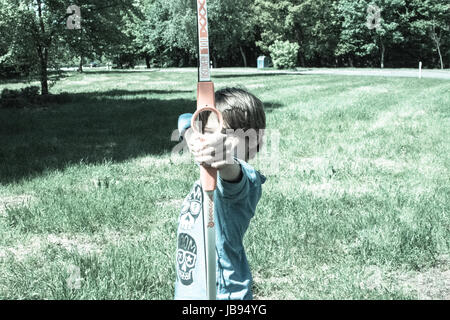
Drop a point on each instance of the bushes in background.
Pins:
(29, 97)
(284, 54)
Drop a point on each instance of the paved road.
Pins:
(410, 73)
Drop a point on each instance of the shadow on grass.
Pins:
(89, 128)
(133, 92)
(52, 76)
(270, 106)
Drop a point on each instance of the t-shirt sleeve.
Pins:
(250, 179)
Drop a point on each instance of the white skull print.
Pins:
(191, 208)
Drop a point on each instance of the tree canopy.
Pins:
(329, 33)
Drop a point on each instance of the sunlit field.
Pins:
(359, 208)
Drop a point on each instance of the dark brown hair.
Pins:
(242, 110)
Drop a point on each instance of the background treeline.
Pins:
(308, 33)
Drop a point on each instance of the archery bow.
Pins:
(208, 175)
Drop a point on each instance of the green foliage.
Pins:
(36, 32)
(430, 21)
(277, 20)
(168, 35)
(18, 98)
(106, 29)
(357, 38)
(331, 32)
(164, 33)
(313, 24)
(17, 55)
(284, 54)
(29, 97)
(156, 39)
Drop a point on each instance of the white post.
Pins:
(420, 70)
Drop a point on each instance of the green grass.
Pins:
(359, 208)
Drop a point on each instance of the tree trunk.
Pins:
(350, 62)
(302, 59)
(43, 57)
(42, 51)
(440, 57)
(44, 83)
(437, 41)
(147, 61)
(80, 66)
(383, 49)
(438, 47)
(243, 56)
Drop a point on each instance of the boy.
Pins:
(235, 198)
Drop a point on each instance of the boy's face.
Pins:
(244, 147)
(229, 142)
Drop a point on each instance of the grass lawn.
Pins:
(359, 209)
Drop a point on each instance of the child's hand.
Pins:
(215, 150)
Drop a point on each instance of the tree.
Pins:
(320, 31)
(16, 51)
(105, 29)
(169, 32)
(388, 33)
(431, 18)
(278, 20)
(42, 25)
(369, 27)
(310, 23)
(34, 37)
(231, 27)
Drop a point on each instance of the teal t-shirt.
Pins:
(234, 205)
